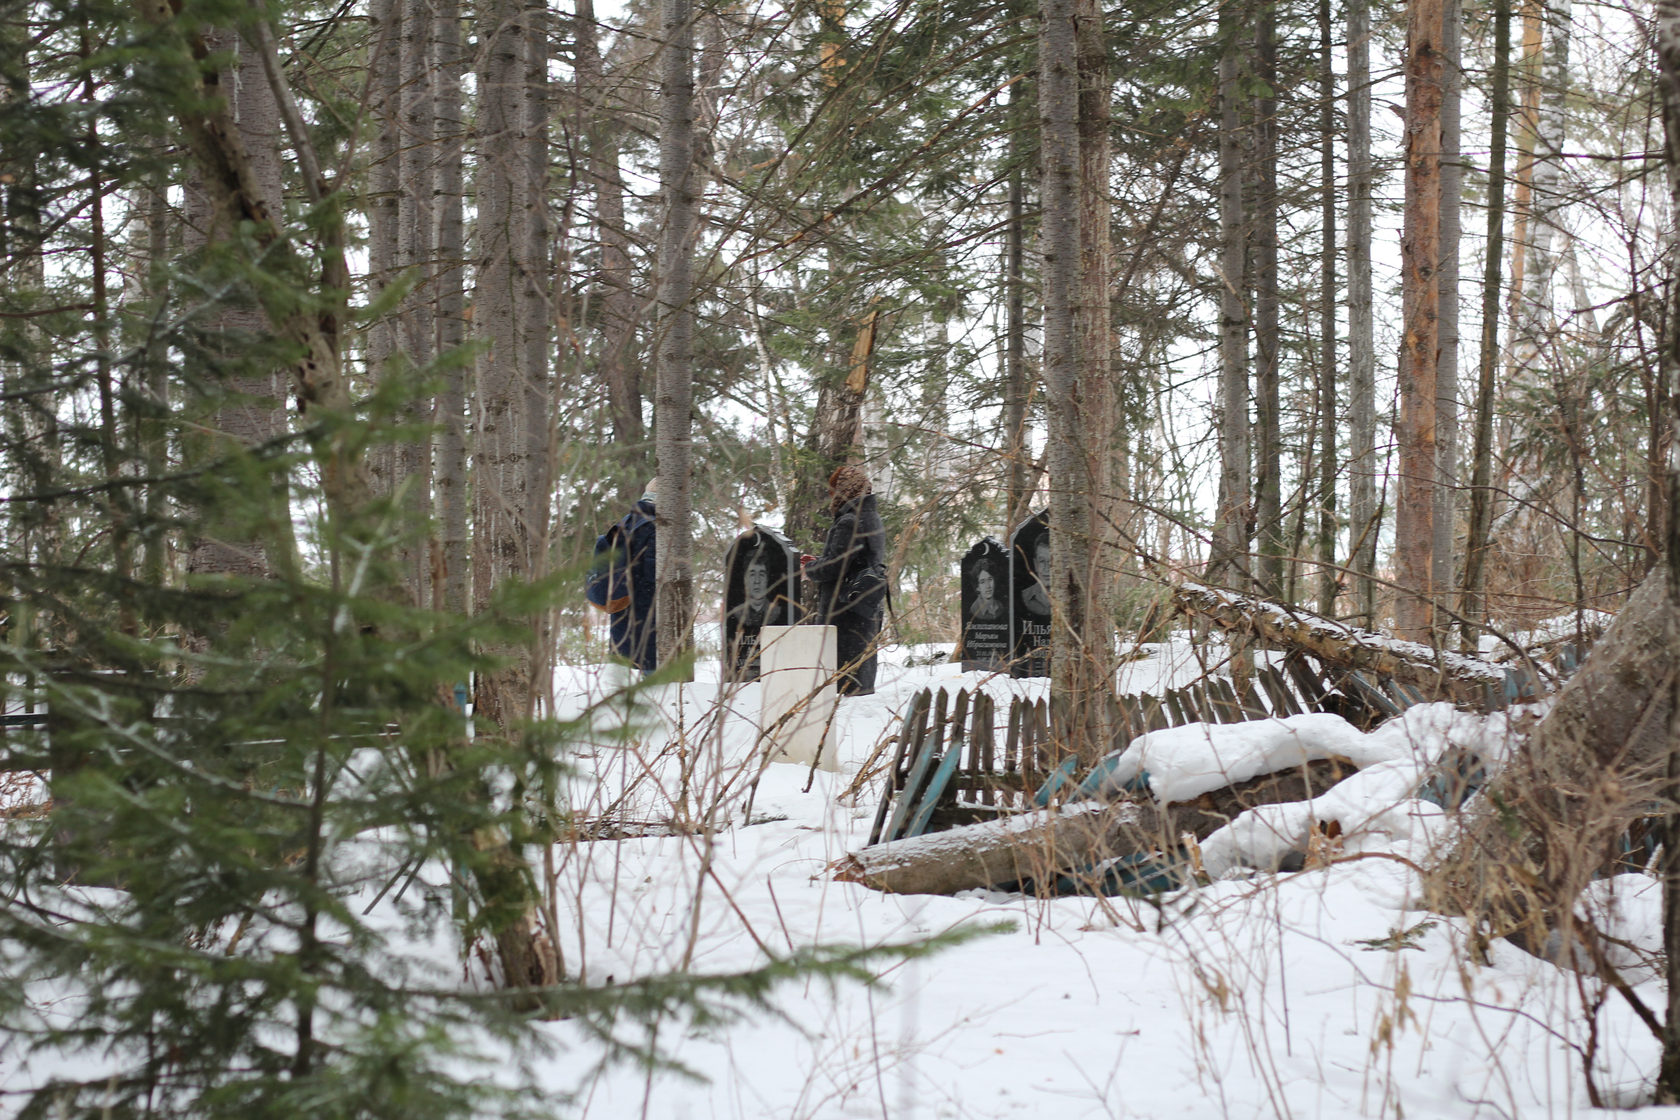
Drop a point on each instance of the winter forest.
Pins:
(1336, 344)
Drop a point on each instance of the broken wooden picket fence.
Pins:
(946, 768)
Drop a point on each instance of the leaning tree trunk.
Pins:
(1597, 762)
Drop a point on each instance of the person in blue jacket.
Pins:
(851, 578)
(621, 582)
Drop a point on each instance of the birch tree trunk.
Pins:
(1363, 514)
(1420, 251)
(1536, 324)
(673, 403)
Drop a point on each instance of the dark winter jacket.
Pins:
(630, 544)
(856, 547)
(856, 542)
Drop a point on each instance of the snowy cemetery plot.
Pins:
(1326, 992)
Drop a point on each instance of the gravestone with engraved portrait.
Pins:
(760, 588)
(985, 606)
(1029, 597)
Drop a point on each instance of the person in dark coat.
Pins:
(851, 578)
(624, 574)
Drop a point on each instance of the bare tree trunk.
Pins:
(255, 413)
(1016, 375)
(1074, 454)
(1668, 87)
(384, 207)
(617, 312)
(453, 565)
(1446, 368)
(1228, 557)
(1094, 552)
(1329, 580)
(416, 252)
(501, 467)
(1473, 606)
(673, 403)
(1362, 354)
(1420, 251)
(536, 315)
(1268, 451)
(1536, 323)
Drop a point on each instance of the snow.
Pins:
(1326, 993)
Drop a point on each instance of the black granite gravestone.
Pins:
(1029, 597)
(985, 606)
(761, 588)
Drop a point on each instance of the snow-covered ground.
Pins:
(1323, 993)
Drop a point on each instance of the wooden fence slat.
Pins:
(1283, 702)
(911, 730)
(1312, 689)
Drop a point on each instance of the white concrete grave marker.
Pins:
(797, 667)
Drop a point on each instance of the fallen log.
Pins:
(1035, 845)
(1438, 674)
(1070, 839)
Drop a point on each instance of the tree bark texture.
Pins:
(1329, 579)
(1473, 603)
(1446, 366)
(1228, 555)
(616, 313)
(673, 403)
(1363, 465)
(1420, 251)
(1668, 90)
(1017, 380)
(500, 456)
(1079, 631)
(255, 412)
(452, 566)
(416, 252)
(1263, 237)
(1556, 814)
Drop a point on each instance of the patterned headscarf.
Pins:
(847, 483)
